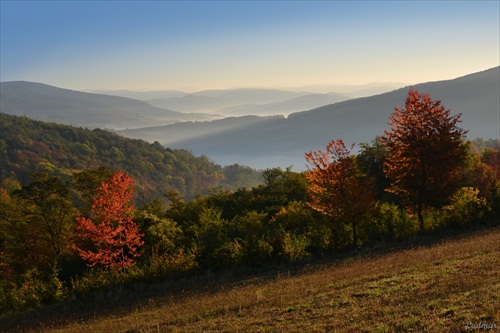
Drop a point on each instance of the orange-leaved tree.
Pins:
(425, 152)
(110, 237)
(336, 188)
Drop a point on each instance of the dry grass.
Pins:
(436, 288)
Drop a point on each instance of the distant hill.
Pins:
(243, 101)
(251, 101)
(191, 130)
(190, 103)
(250, 95)
(300, 103)
(142, 95)
(28, 145)
(48, 103)
(283, 141)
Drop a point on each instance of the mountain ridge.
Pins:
(49, 103)
(284, 142)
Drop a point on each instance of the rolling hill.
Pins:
(283, 141)
(190, 103)
(254, 101)
(43, 102)
(191, 130)
(245, 101)
(300, 103)
(28, 146)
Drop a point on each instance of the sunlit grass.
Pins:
(436, 288)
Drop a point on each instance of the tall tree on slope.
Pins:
(110, 237)
(425, 152)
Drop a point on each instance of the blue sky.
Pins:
(224, 44)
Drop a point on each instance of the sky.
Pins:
(196, 45)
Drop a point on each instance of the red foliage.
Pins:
(114, 237)
(335, 187)
(425, 151)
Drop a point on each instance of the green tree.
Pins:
(49, 215)
(371, 159)
(87, 183)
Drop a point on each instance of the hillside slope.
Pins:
(190, 130)
(445, 287)
(301, 103)
(283, 142)
(27, 146)
(240, 99)
(47, 103)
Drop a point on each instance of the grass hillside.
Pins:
(439, 286)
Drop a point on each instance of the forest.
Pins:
(99, 211)
(28, 146)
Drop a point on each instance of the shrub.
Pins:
(290, 231)
(35, 289)
(493, 197)
(252, 229)
(390, 223)
(96, 279)
(164, 265)
(229, 254)
(295, 247)
(465, 207)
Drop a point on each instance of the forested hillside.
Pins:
(283, 141)
(70, 232)
(28, 146)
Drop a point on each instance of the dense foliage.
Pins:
(28, 146)
(425, 152)
(111, 230)
(337, 187)
(48, 221)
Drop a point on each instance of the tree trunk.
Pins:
(421, 193)
(354, 235)
(420, 216)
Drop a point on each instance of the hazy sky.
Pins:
(209, 44)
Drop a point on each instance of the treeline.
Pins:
(28, 146)
(60, 241)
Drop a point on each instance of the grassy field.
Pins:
(443, 286)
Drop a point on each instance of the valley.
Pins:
(261, 128)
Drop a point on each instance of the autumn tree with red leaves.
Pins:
(110, 237)
(425, 152)
(336, 188)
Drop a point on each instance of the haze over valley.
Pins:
(249, 166)
(283, 126)
(252, 83)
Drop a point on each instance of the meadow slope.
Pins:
(439, 287)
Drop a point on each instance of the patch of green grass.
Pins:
(436, 288)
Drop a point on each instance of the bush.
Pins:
(251, 228)
(291, 231)
(465, 207)
(35, 289)
(295, 247)
(390, 223)
(94, 280)
(493, 198)
(165, 265)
